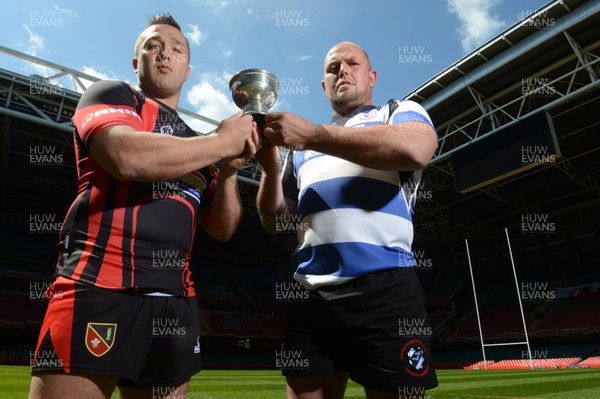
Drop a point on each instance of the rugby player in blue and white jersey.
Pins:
(351, 186)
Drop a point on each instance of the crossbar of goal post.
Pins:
(484, 345)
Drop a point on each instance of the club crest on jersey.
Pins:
(414, 356)
(100, 337)
(166, 129)
(370, 115)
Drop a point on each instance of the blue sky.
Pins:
(408, 41)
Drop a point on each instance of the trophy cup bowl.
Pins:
(254, 91)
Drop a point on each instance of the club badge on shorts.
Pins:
(414, 355)
(100, 337)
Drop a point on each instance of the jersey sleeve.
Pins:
(106, 103)
(409, 111)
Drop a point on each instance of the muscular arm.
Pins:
(270, 199)
(128, 154)
(407, 146)
(221, 218)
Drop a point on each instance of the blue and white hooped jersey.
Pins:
(355, 220)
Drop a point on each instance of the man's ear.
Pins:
(134, 63)
(372, 77)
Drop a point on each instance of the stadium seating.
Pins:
(19, 309)
(240, 302)
(213, 281)
(591, 362)
(576, 308)
(517, 357)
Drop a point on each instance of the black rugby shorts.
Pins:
(374, 328)
(145, 341)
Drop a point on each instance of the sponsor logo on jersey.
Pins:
(87, 118)
(107, 111)
(192, 184)
(100, 337)
(193, 180)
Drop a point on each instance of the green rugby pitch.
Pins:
(468, 384)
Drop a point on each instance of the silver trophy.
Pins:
(254, 91)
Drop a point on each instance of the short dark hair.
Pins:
(163, 18)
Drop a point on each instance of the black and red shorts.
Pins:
(145, 341)
(374, 328)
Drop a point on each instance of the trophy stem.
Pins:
(260, 121)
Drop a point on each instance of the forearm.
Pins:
(270, 201)
(143, 156)
(408, 146)
(129, 154)
(225, 212)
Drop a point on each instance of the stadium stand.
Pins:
(591, 362)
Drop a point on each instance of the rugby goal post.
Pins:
(483, 344)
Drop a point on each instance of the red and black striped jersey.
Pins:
(129, 235)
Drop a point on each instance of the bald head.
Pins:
(349, 45)
(348, 78)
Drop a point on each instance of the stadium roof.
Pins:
(548, 61)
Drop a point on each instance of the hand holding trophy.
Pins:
(254, 91)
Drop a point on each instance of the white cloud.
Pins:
(66, 11)
(477, 21)
(35, 45)
(100, 75)
(282, 105)
(301, 58)
(211, 98)
(224, 51)
(36, 42)
(218, 5)
(195, 36)
(69, 83)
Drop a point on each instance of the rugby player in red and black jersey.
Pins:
(127, 315)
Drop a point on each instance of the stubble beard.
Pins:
(158, 85)
(345, 102)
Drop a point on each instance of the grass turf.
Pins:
(268, 384)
